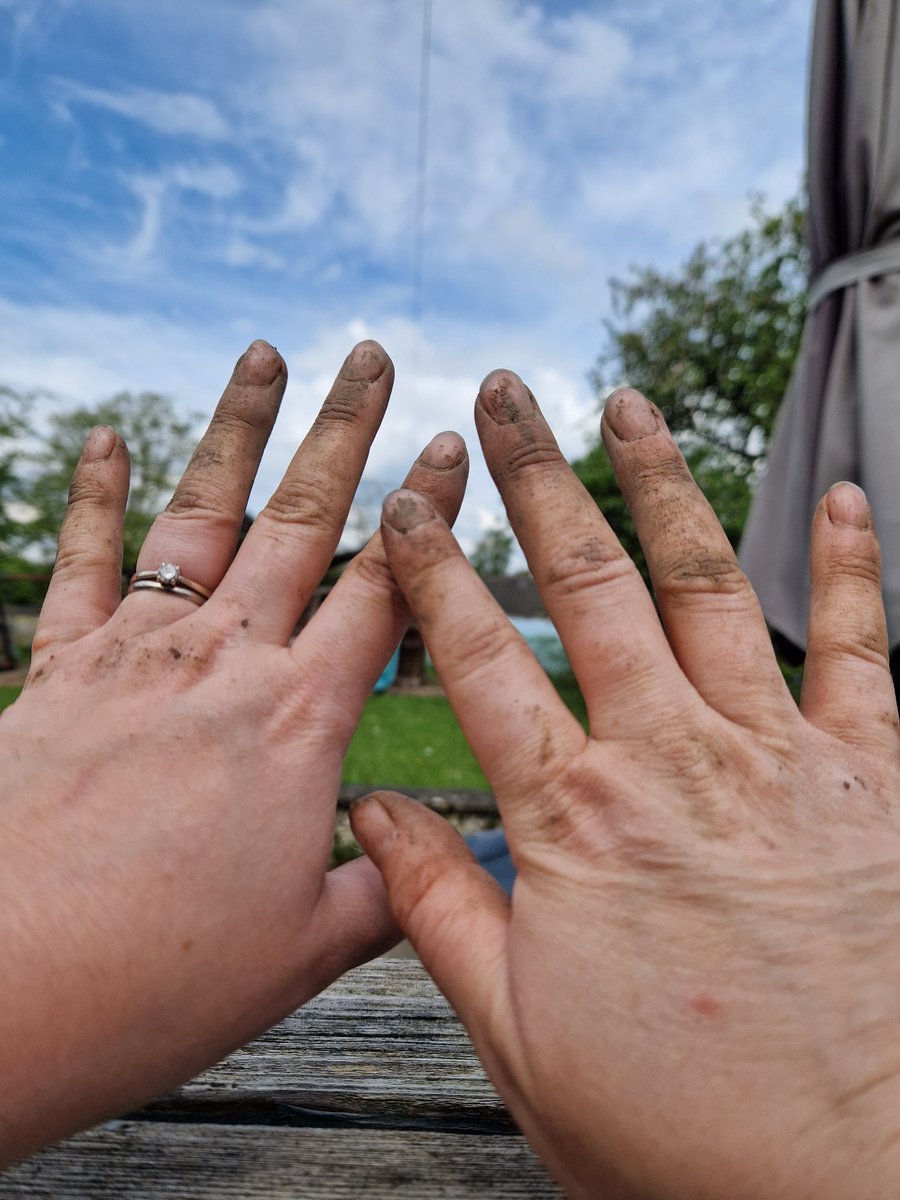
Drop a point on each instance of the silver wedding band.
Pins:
(168, 578)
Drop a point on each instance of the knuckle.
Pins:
(585, 566)
(190, 501)
(341, 408)
(236, 421)
(536, 452)
(480, 643)
(866, 645)
(88, 492)
(862, 568)
(686, 575)
(661, 473)
(42, 641)
(309, 501)
(370, 570)
(80, 558)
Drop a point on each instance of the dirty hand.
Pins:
(169, 773)
(695, 991)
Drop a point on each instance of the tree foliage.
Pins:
(492, 552)
(159, 443)
(13, 427)
(713, 345)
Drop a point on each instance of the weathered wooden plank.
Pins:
(145, 1161)
(382, 1044)
(462, 801)
(381, 1041)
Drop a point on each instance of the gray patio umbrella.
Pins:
(841, 416)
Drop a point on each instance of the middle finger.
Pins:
(291, 543)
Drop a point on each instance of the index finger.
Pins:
(520, 731)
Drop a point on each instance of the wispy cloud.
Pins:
(229, 170)
(175, 114)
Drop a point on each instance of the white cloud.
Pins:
(140, 248)
(213, 179)
(562, 147)
(240, 252)
(33, 22)
(348, 119)
(175, 114)
(84, 355)
(157, 197)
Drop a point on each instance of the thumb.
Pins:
(454, 914)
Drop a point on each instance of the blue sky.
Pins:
(179, 178)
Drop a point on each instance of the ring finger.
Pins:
(199, 529)
(711, 615)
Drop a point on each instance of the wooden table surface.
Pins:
(370, 1090)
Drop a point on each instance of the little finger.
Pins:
(847, 686)
(86, 587)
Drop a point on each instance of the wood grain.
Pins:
(459, 801)
(139, 1161)
(381, 1044)
(371, 1090)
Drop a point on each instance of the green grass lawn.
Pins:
(411, 741)
(7, 695)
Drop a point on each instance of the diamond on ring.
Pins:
(168, 573)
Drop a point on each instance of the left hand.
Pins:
(169, 773)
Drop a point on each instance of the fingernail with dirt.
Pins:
(259, 365)
(506, 399)
(101, 442)
(847, 505)
(630, 416)
(365, 363)
(371, 820)
(444, 452)
(406, 510)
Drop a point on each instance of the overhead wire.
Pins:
(421, 170)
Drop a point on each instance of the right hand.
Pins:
(695, 991)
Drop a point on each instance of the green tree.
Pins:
(159, 443)
(492, 552)
(13, 428)
(713, 345)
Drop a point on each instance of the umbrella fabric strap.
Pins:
(855, 268)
